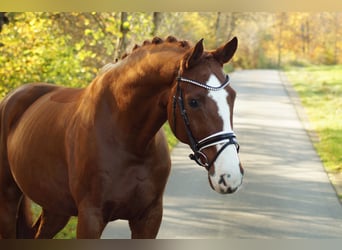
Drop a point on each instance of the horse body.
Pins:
(28, 145)
(98, 152)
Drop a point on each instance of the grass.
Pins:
(69, 231)
(171, 139)
(320, 90)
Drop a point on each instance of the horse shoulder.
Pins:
(161, 157)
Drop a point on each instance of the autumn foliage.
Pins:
(69, 48)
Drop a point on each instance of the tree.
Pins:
(124, 28)
(281, 21)
(157, 19)
(3, 20)
(70, 47)
(36, 50)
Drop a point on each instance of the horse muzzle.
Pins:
(226, 175)
(223, 183)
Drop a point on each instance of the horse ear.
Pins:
(195, 54)
(226, 52)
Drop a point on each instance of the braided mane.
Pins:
(158, 40)
(155, 41)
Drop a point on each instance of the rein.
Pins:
(223, 137)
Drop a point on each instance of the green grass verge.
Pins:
(320, 90)
(69, 232)
(171, 139)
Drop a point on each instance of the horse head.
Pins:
(200, 114)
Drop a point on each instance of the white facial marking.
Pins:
(220, 97)
(227, 165)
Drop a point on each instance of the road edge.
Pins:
(335, 178)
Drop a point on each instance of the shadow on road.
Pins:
(286, 193)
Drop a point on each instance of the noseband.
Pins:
(224, 137)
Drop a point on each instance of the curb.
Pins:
(335, 178)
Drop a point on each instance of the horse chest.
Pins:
(132, 194)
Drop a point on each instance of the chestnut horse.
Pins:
(100, 153)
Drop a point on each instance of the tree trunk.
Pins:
(217, 29)
(282, 20)
(124, 29)
(157, 18)
(3, 19)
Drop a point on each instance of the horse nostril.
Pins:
(222, 180)
(242, 171)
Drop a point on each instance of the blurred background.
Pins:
(70, 47)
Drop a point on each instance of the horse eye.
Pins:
(193, 103)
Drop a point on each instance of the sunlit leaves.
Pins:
(36, 51)
(69, 48)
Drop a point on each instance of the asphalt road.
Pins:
(286, 192)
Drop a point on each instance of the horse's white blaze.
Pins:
(227, 165)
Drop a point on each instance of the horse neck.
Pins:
(136, 97)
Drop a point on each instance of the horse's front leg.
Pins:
(90, 223)
(147, 226)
